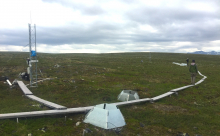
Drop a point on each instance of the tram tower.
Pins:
(32, 69)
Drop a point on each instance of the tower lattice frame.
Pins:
(33, 55)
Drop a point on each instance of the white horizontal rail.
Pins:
(132, 102)
(32, 61)
(43, 113)
(46, 103)
(181, 88)
(23, 87)
(30, 95)
(162, 96)
(180, 64)
(85, 109)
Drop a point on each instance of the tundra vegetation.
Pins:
(89, 79)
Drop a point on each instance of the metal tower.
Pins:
(33, 56)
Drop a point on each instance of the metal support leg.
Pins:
(151, 101)
(176, 93)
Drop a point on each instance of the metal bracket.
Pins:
(176, 93)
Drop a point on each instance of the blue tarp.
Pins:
(33, 53)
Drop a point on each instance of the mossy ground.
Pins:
(90, 79)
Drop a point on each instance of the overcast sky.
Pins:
(106, 26)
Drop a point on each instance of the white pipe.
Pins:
(28, 70)
(40, 81)
(76, 110)
(9, 82)
(43, 113)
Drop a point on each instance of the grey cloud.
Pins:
(176, 24)
(173, 24)
(162, 16)
(84, 9)
(17, 37)
(98, 33)
(93, 10)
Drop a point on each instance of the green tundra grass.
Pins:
(90, 79)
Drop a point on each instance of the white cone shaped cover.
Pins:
(107, 118)
(128, 95)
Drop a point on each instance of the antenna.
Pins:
(30, 18)
(22, 47)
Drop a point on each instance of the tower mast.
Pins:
(33, 56)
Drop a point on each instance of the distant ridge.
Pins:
(207, 53)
